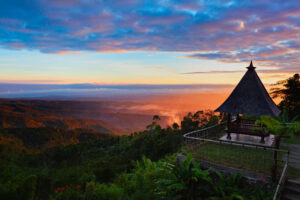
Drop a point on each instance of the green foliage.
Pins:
(68, 192)
(98, 161)
(164, 180)
(28, 187)
(20, 186)
(279, 126)
(198, 120)
(43, 138)
(188, 181)
(96, 191)
(141, 182)
(91, 191)
(175, 126)
(105, 167)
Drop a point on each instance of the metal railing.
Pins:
(205, 144)
(212, 132)
(281, 182)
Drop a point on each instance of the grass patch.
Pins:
(251, 159)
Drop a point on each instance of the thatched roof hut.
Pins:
(249, 97)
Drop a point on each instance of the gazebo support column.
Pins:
(238, 120)
(262, 139)
(228, 136)
(228, 125)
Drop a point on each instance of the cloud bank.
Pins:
(228, 30)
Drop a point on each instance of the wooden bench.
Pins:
(246, 127)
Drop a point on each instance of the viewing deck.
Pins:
(210, 145)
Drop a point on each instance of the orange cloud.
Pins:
(155, 67)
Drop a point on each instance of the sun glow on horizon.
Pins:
(119, 68)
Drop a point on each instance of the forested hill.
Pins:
(110, 167)
(41, 113)
(46, 137)
(117, 117)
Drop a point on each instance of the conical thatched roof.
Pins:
(249, 97)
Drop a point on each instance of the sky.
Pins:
(111, 42)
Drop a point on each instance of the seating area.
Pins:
(246, 127)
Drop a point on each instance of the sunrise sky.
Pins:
(147, 42)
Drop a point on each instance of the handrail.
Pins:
(239, 144)
(284, 171)
(229, 142)
(204, 129)
(281, 182)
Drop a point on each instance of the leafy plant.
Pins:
(280, 127)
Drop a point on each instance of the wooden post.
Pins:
(228, 126)
(275, 163)
(238, 120)
(262, 139)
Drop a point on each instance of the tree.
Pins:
(198, 120)
(156, 118)
(175, 126)
(190, 122)
(154, 124)
(289, 91)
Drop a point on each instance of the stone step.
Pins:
(292, 190)
(293, 153)
(293, 182)
(287, 196)
(295, 165)
(291, 161)
(297, 156)
(297, 152)
(292, 158)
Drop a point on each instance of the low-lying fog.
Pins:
(127, 108)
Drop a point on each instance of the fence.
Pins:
(205, 145)
(281, 182)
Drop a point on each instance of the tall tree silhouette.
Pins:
(289, 91)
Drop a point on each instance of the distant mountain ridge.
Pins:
(112, 117)
(40, 113)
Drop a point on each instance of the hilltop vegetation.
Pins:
(99, 160)
(42, 113)
(111, 117)
(110, 167)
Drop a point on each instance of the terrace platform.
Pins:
(250, 139)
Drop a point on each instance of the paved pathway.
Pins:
(291, 190)
(294, 159)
